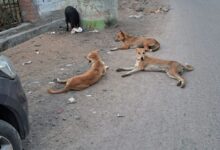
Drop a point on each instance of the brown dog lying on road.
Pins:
(145, 63)
(149, 44)
(82, 81)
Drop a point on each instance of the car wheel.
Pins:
(9, 137)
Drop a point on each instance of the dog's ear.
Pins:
(122, 33)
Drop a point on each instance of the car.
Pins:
(14, 123)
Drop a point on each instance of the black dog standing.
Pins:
(72, 17)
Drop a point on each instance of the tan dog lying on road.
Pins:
(145, 63)
(82, 81)
(149, 44)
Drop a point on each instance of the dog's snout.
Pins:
(142, 58)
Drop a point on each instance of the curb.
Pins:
(18, 38)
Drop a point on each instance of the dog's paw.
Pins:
(178, 83)
(181, 84)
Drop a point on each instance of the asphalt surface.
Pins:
(191, 117)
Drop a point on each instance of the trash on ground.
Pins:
(136, 16)
(119, 115)
(76, 30)
(88, 95)
(160, 10)
(69, 65)
(29, 92)
(114, 48)
(77, 117)
(37, 51)
(51, 82)
(61, 69)
(27, 62)
(72, 100)
(53, 32)
(95, 31)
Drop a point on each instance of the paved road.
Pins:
(193, 115)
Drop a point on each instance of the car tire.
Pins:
(9, 135)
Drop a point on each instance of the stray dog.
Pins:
(72, 18)
(88, 78)
(149, 44)
(145, 63)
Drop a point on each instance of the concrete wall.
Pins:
(98, 13)
(95, 14)
(46, 6)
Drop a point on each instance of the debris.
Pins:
(78, 30)
(119, 115)
(165, 9)
(88, 95)
(69, 65)
(37, 51)
(94, 112)
(27, 62)
(72, 100)
(61, 69)
(77, 117)
(160, 10)
(114, 48)
(53, 32)
(136, 16)
(139, 9)
(109, 52)
(29, 92)
(51, 82)
(95, 31)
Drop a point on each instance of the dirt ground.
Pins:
(91, 122)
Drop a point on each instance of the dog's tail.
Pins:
(155, 47)
(188, 67)
(51, 91)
